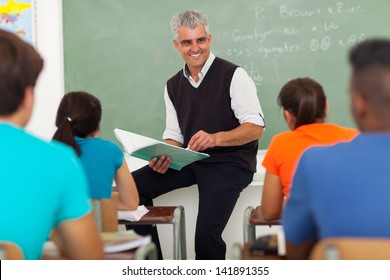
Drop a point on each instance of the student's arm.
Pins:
(127, 197)
(78, 239)
(272, 197)
(239, 136)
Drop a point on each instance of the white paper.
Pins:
(132, 141)
(133, 216)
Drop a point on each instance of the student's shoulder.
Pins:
(325, 155)
(43, 146)
(58, 149)
(95, 141)
(284, 138)
(346, 130)
(46, 152)
(107, 145)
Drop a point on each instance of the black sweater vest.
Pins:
(208, 108)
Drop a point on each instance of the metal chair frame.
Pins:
(167, 215)
(251, 221)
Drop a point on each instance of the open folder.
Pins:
(147, 148)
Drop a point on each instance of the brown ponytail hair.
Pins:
(79, 114)
(305, 99)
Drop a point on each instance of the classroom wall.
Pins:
(50, 87)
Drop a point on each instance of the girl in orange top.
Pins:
(304, 106)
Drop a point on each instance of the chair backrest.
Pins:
(106, 215)
(344, 248)
(10, 251)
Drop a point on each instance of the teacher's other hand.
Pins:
(161, 164)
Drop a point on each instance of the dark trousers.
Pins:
(219, 187)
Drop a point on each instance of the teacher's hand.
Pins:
(160, 165)
(201, 141)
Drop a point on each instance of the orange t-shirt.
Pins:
(286, 148)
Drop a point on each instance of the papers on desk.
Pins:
(113, 242)
(147, 148)
(120, 241)
(133, 216)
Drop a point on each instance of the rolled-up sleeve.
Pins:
(172, 129)
(244, 101)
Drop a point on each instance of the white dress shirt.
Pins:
(244, 101)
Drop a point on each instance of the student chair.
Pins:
(167, 215)
(349, 248)
(106, 217)
(10, 251)
(251, 220)
(105, 214)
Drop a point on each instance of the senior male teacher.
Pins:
(211, 106)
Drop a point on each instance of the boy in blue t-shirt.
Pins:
(343, 190)
(42, 185)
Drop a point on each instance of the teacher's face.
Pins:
(194, 47)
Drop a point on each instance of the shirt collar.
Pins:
(204, 70)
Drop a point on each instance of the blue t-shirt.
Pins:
(342, 190)
(41, 185)
(101, 160)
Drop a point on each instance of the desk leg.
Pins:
(179, 234)
(249, 229)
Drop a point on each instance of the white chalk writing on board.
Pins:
(275, 32)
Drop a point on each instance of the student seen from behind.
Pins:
(78, 119)
(304, 107)
(344, 190)
(42, 185)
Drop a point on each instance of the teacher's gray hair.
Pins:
(190, 19)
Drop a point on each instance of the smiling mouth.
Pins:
(195, 55)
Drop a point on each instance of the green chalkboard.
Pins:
(122, 51)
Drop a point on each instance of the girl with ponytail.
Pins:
(77, 121)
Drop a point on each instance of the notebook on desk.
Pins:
(120, 241)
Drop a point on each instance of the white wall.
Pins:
(50, 87)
